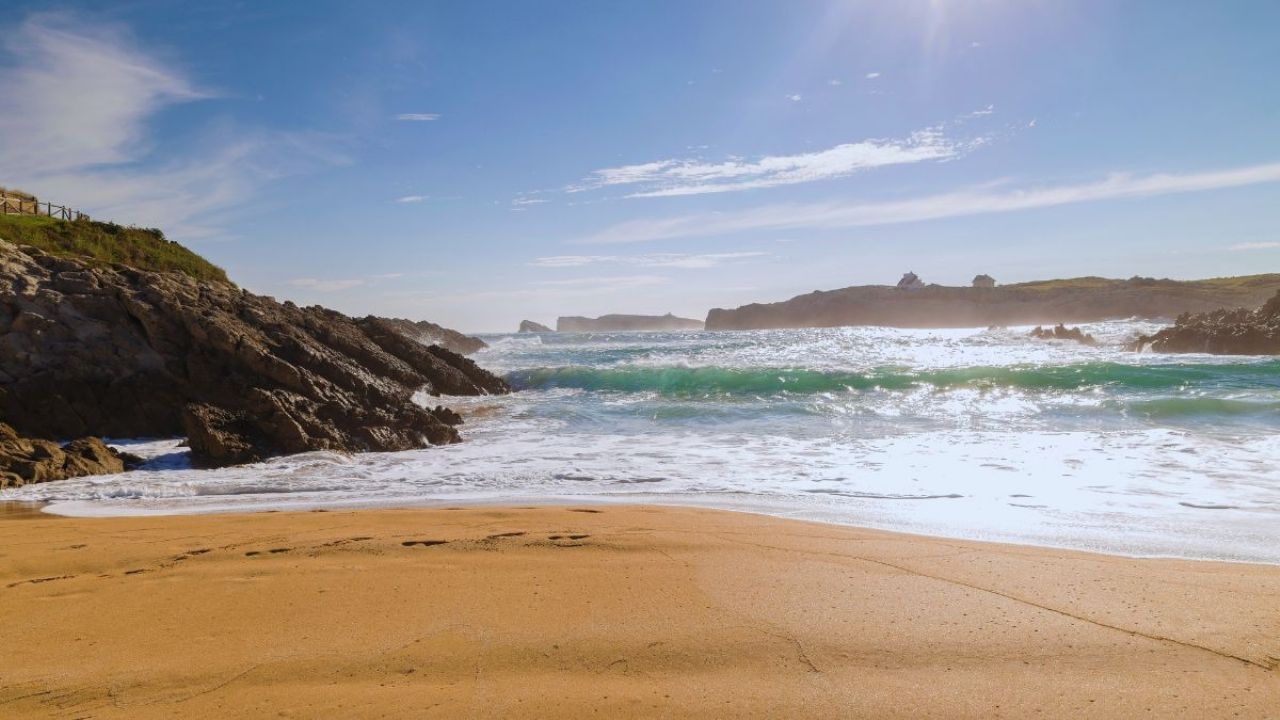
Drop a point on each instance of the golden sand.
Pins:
(610, 611)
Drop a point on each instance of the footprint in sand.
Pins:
(423, 543)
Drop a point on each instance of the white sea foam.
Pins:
(1177, 461)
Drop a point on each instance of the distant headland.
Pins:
(627, 323)
(914, 304)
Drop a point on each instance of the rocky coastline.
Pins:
(1222, 332)
(1075, 300)
(113, 351)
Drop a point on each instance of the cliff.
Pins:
(93, 348)
(627, 323)
(1076, 300)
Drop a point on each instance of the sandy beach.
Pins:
(610, 611)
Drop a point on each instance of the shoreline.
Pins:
(34, 510)
(632, 610)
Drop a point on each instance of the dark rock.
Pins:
(120, 352)
(26, 460)
(1222, 332)
(1062, 332)
(429, 333)
(529, 326)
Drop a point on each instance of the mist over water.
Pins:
(965, 433)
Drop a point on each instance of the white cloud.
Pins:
(872, 75)
(326, 285)
(682, 261)
(77, 99)
(836, 215)
(835, 82)
(1255, 246)
(409, 199)
(665, 178)
(797, 97)
(527, 201)
(79, 96)
(606, 283)
(418, 117)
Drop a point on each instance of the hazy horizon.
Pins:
(483, 164)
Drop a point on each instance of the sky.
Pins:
(480, 163)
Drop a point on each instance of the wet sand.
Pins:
(610, 611)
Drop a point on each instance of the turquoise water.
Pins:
(969, 433)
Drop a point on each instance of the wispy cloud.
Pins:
(418, 117)
(795, 97)
(665, 178)
(836, 215)
(683, 261)
(327, 285)
(835, 82)
(80, 95)
(611, 282)
(871, 75)
(1255, 246)
(411, 199)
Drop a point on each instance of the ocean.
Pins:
(966, 433)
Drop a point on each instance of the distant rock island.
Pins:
(624, 323)
(913, 304)
(529, 326)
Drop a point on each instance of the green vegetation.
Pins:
(106, 243)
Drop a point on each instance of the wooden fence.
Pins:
(18, 206)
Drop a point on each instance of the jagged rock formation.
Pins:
(1062, 332)
(627, 323)
(983, 281)
(430, 333)
(118, 352)
(1077, 300)
(1223, 332)
(25, 460)
(910, 281)
(529, 326)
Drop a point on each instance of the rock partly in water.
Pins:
(1062, 332)
(27, 460)
(529, 326)
(430, 333)
(627, 323)
(1222, 332)
(119, 352)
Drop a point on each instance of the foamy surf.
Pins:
(974, 434)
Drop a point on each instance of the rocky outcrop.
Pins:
(1077, 300)
(529, 326)
(627, 323)
(432, 334)
(118, 352)
(1222, 332)
(1062, 332)
(24, 460)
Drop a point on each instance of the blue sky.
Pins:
(480, 163)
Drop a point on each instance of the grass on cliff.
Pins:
(105, 243)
